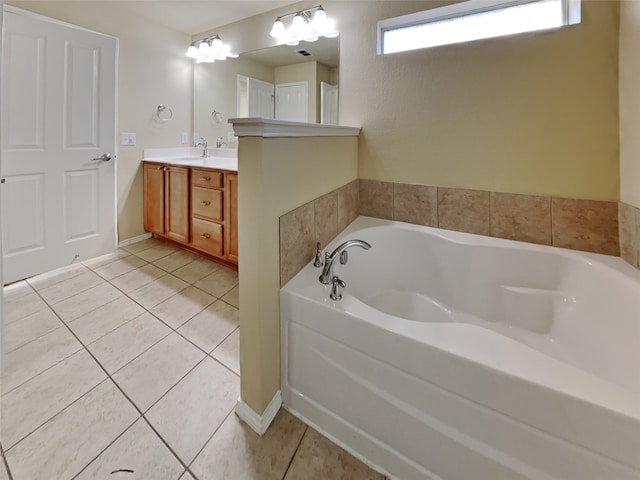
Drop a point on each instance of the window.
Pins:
(473, 20)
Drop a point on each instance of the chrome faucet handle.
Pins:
(318, 261)
(344, 256)
(336, 288)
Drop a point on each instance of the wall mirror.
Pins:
(298, 83)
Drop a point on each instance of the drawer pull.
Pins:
(205, 235)
(205, 179)
(206, 203)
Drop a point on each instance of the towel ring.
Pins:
(164, 113)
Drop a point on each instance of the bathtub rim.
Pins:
(617, 399)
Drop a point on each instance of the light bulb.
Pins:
(293, 43)
(192, 51)
(311, 39)
(203, 49)
(277, 31)
(297, 23)
(319, 19)
(216, 44)
(333, 34)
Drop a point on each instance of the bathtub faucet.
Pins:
(341, 253)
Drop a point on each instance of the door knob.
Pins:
(105, 157)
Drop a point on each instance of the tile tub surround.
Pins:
(317, 221)
(629, 218)
(588, 225)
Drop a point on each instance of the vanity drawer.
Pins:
(206, 178)
(206, 236)
(207, 203)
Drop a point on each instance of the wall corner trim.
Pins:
(259, 423)
(137, 239)
(268, 127)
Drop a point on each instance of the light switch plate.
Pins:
(127, 138)
(196, 137)
(231, 137)
(184, 138)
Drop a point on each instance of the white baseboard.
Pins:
(137, 239)
(259, 423)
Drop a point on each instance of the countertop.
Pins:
(219, 163)
(220, 159)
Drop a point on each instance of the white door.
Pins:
(260, 98)
(58, 141)
(328, 104)
(292, 100)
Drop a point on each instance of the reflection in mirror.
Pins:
(298, 83)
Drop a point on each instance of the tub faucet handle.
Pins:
(336, 288)
(318, 261)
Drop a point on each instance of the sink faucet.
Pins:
(202, 143)
(340, 252)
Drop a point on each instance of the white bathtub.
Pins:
(457, 356)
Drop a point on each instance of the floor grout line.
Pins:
(295, 452)
(207, 442)
(207, 355)
(5, 462)
(109, 377)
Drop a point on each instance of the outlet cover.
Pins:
(196, 137)
(184, 138)
(231, 137)
(127, 138)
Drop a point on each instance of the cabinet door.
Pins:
(177, 204)
(153, 185)
(231, 217)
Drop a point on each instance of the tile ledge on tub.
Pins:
(267, 127)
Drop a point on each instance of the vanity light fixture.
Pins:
(209, 49)
(307, 25)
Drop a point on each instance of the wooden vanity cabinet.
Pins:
(166, 202)
(197, 207)
(207, 215)
(231, 216)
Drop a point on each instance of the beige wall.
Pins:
(152, 69)
(630, 102)
(275, 178)
(215, 87)
(534, 113)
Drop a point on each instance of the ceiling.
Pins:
(193, 17)
(324, 50)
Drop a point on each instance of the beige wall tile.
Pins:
(415, 204)
(297, 240)
(628, 233)
(348, 204)
(588, 225)
(521, 217)
(376, 199)
(326, 217)
(464, 210)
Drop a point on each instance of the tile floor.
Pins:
(126, 367)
